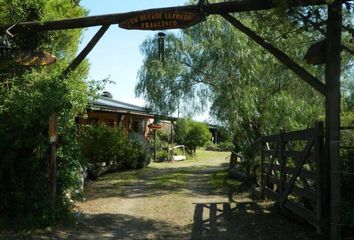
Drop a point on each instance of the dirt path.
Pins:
(154, 203)
(182, 200)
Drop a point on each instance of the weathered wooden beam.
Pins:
(83, 54)
(303, 212)
(290, 170)
(281, 56)
(332, 76)
(108, 19)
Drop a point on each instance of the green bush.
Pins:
(25, 152)
(142, 152)
(103, 144)
(181, 130)
(192, 134)
(211, 147)
(225, 146)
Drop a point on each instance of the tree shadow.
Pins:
(244, 221)
(114, 226)
(212, 221)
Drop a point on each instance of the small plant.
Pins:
(162, 155)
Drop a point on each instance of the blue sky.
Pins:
(117, 54)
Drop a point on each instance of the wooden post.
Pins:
(53, 175)
(282, 179)
(155, 145)
(321, 181)
(53, 138)
(262, 166)
(172, 129)
(333, 68)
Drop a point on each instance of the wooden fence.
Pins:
(292, 173)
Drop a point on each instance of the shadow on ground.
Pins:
(245, 221)
(110, 226)
(212, 221)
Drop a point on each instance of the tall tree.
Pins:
(249, 90)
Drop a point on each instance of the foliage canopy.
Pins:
(28, 96)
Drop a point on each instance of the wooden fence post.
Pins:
(333, 98)
(282, 180)
(321, 177)
(53, 138)
(262, 166)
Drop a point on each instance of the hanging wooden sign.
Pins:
(161, 20)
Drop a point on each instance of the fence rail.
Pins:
(292, 173)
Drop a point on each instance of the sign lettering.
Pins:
(161, 20)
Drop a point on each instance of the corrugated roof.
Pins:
(111, 104)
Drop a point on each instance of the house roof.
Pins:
(110, 105)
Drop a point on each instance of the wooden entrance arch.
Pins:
(330, 89)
